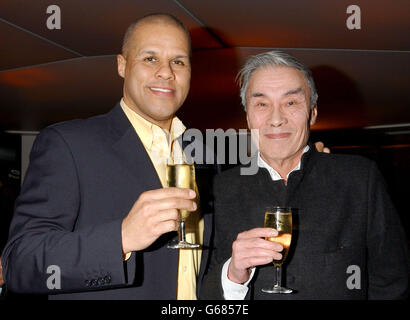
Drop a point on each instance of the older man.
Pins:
(344, 219)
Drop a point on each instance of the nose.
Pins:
(277, 117)
(165, 71)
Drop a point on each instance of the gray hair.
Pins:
(274, 58)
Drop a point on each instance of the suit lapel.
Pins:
(128, 147)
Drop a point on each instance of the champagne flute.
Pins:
(181, 174)
(279, 218)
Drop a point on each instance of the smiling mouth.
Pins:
(162, 92)
(161, 89)
(277, 136)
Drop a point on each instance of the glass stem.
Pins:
(277, 275)
(182, 231)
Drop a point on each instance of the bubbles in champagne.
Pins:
(281, 222)
(181, 176)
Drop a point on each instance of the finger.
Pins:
(166, 215)
(258, 258)
(257, 243)
(261, 252)
(261, 260)
(258, 233)
(165, 227)
(258, 261)
(319, 146)
(253, 252)
(271, 245)
(264, 260)
(171, 192)
(247, 249)
(174, 203)
(326, 150)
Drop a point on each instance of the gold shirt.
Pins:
(155, 141)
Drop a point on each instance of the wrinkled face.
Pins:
(156, 71)
(278, 105)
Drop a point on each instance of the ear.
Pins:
(121, 63)
(313, 115)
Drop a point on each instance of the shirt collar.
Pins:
(273, 173)
(147, 130)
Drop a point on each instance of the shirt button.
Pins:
(184, 269)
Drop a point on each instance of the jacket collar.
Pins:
(129, 148)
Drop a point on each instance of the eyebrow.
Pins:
(288, 93)
(294, 91)
(257, 94)
(179, 56)
(147, 52)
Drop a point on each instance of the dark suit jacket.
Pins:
(344, 217)
(84, 176)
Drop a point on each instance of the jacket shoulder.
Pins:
(80, 126)
(344, 162)
(79, 131)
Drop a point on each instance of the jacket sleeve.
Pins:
(388, 255)
(45, 253)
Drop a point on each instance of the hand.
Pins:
(1, 274)
(153, 214)
(250, 249)
(321, 147)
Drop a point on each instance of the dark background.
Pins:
(362, 76)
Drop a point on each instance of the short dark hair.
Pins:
(164, 17)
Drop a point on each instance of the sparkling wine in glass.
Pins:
(181, 175)
(279, 218)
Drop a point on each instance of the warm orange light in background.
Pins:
(26, 78)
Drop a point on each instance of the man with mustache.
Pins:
(343, 218)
